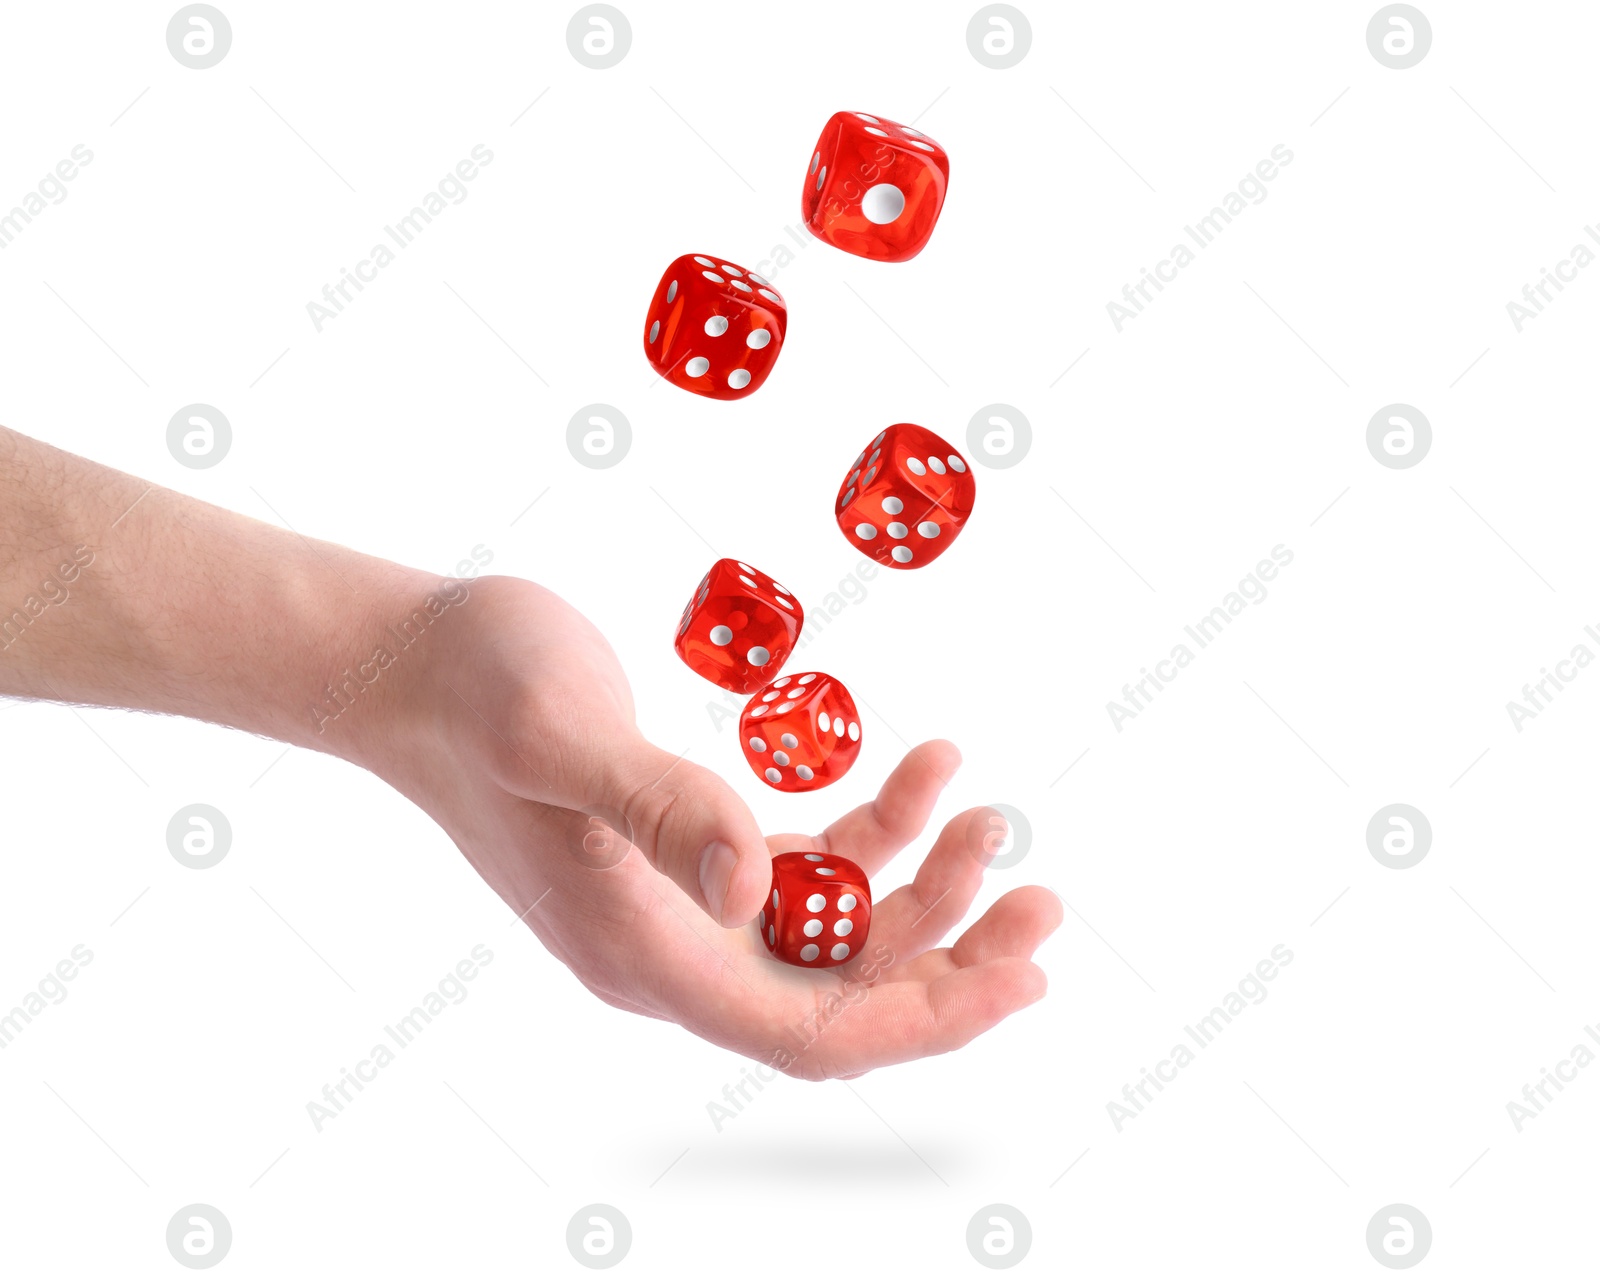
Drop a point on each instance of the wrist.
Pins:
(367, 683)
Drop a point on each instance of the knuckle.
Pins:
(650, 810)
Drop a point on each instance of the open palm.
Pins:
(532, 760)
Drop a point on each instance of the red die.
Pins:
(874, 187)
(739, 627)
(819, 912)
(907, 497)
(801, 733)
(713, 328)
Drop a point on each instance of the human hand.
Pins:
(515, 728)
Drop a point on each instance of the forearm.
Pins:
(117, 592)
(504, 720)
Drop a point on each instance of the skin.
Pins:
(505, 721)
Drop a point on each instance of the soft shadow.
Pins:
(837, 1157)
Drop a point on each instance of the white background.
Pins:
(1170, 459)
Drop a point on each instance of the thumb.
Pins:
(693, 828)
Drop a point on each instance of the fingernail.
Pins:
(717, 862)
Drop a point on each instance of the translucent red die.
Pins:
(819, 911)
(714, 328)
(906, 498)
(739, 627)
(801, 733)
(874, 188)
